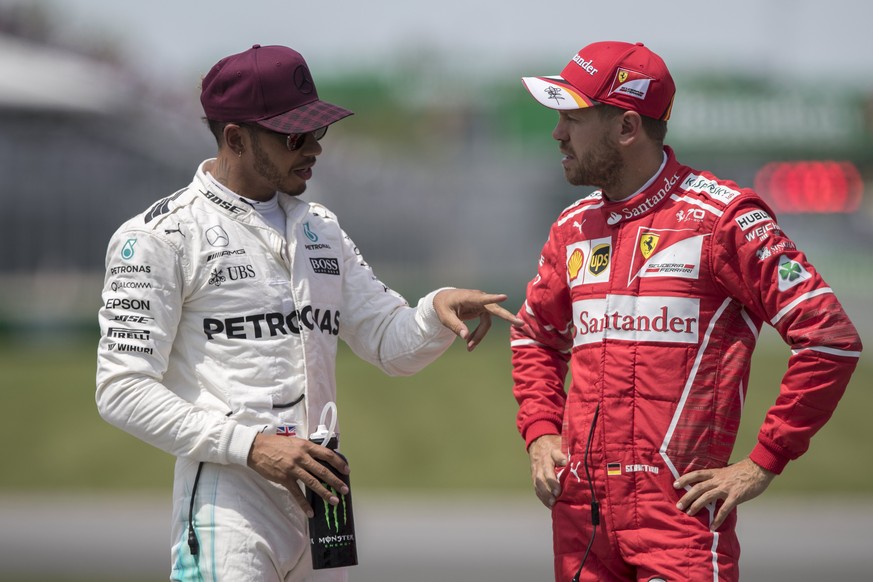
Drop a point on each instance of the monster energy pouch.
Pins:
(332, 528)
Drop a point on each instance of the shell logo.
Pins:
(574, 263)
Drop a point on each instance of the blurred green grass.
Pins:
(450, 427)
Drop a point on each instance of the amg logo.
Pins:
(325, 266)
(213, 256)
(123, 333)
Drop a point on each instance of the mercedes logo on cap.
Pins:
(217, 237)
(302, 80)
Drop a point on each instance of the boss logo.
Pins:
(325, 265)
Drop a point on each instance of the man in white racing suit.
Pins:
(222, 307)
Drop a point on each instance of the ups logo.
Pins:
(599, 260)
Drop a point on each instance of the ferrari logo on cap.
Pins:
(631, 83)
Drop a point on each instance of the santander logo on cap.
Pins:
(586, 65)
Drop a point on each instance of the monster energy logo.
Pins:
(328, 509)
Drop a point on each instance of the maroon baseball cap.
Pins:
(626, 75)
(270, 86)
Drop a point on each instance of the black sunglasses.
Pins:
(294, 141)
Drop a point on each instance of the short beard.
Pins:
(266, 169)
(601, 168)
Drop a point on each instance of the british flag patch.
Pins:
(287, 430)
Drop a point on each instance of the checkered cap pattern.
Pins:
(305, 118)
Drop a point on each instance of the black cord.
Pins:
(193, 544)
(595, 505)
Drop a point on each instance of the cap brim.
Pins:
(306, 118)
(556, 93)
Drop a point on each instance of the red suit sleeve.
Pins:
(541, 348)
(759, 265)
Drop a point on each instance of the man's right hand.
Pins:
(545, 454)
(287, 460)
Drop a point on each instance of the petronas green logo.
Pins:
(127, 249)
(335, 510)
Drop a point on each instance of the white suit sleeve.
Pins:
(381, 327)
(143, 296)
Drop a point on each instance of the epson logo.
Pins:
(125, 303)
(325, 266)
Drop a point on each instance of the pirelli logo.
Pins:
(636, 319)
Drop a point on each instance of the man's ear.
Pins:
(631, 127)
(234, 138)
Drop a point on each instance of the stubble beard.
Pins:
(601, 168)
(270, 172)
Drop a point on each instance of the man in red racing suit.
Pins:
(653, 291)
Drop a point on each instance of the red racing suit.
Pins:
(655, 303)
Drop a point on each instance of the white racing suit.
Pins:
(216, 327)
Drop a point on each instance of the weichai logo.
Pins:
(636, 319)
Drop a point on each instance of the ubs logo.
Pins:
(238, 272)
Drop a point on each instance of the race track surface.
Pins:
(420, 539)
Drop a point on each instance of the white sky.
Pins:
(180, 39)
